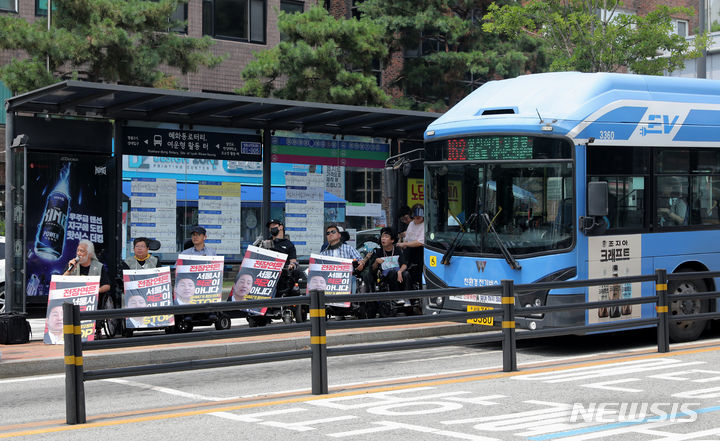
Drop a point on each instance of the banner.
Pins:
(68, 200)
(258, 276)
(198, 279)
(330, 274)
(147, 288)
(81, 291)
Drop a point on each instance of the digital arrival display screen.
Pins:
(490, 147)
(505, 148)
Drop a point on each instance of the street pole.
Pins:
(702, 61)
(49, 23)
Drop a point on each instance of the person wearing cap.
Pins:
(197, 235)
(338, 248)
(281, 243)
(415, 240)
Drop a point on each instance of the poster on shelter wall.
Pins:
(68, 200)
(78, 290)
(258, 276)
(304, 210)
(148, 288)
(614, 256)
(153, 211)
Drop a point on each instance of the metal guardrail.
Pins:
(75, 375)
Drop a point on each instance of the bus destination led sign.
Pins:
(489, 147)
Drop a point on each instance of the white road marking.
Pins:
(605, 385)
(256, 417)
(712, 392)
(622, 369)
(549, 409)
(304, 426)
(686, 375)
(381, 399)
(422, 360)
(386, 426)
(166, 390)
(39, 378)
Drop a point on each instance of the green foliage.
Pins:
(585, 39)
(115, 41)
(320, 59)
(451, 54)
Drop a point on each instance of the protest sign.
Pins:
(81, 291)
(332, 275)
(198, 279)
(263, 267)
(147, 288)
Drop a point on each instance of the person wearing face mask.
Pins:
(281, 243)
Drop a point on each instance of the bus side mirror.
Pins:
(597, 208)
(597, 198)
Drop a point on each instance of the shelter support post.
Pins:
(266, 176)
(663, 327)
(74, 387)
(508, 326)
(318, 343)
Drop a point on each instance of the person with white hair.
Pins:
(86, 263)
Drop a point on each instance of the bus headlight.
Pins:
(437, 301)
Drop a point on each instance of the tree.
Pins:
(114, 41)
(320, 59)
(591, 36)
(447, 53)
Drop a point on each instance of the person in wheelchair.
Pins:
(390, 263)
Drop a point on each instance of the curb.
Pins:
(113, 358)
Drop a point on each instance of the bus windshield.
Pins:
(529, 204)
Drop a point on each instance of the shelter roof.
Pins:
(120, 102)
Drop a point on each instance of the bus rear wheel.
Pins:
(687, 330)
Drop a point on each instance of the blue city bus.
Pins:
(512, 171)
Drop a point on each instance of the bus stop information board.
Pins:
(144, 141)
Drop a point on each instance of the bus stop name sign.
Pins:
(144, 141)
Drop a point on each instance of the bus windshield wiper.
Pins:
(503, 249)
(451, 249)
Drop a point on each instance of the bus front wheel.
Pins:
(687, 330)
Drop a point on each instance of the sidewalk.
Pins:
(37, 358)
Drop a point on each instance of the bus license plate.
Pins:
(485, 321)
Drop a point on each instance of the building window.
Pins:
(180, 15)
(680, 27)
(242, 20)
(8, 5)
(290, 7)
(354, 11)
(5, 93)
(41, 7)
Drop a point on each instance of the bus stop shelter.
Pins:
(72, 121)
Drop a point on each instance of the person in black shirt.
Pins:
(391, 262)
(282, 244)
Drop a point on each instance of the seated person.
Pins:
(675, 213)
(390, 260)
